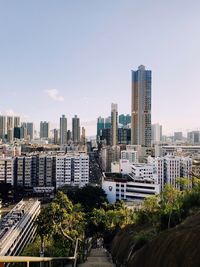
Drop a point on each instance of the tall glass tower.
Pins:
(100, 127)
(141, 107)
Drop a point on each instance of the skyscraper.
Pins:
(30, 130)
(76, 129)
(100, 127)
(156, 132)
(141, 107)
(124, 119)
(44, 129)
(83, 139)
(108, 123)
(63, 130)
(114, 125)
(10, 128)
(2, 127)
(17, 121)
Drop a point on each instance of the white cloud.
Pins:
(54, 95)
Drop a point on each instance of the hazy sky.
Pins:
(75, 57)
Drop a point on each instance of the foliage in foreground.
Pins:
(62, 221)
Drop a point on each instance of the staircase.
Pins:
(98, 257)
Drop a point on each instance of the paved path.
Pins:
(98, 258)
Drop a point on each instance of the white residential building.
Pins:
(156, 132)
(130, 155)
(169, 168)
(72, 169)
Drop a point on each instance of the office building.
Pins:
(105, 136)
(141, 107)
(63, 130)
(76, 129)
(124, 119)
(114, 124)
(44, 129)
(124, 136)
(108, 122)
(17, 132)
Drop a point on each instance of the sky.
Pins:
(75, 57)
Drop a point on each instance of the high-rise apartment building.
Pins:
(76, 129)
(69, 135)
(170, 168)
(63, 130)
(30, 130)
(44, 129)
(83, 137)
(141, 107)
(7, 170)
(194, 137)
(55, 136)
(2, 127)
(156, 132)
(23, 130)
(72, 170)
(17, 121)
(114, 124)
(10, 128)
(178, 136)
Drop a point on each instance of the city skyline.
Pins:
(74, 58)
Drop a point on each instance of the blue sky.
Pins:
(75, 57)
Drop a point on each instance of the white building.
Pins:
(72, 169)
(156, 132)
(130, 155)
(144, 172)
(169, 168)
(128, 189)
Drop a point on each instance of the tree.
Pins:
(61, 219)
(89, 197)
(44, 227)
(170, 202)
